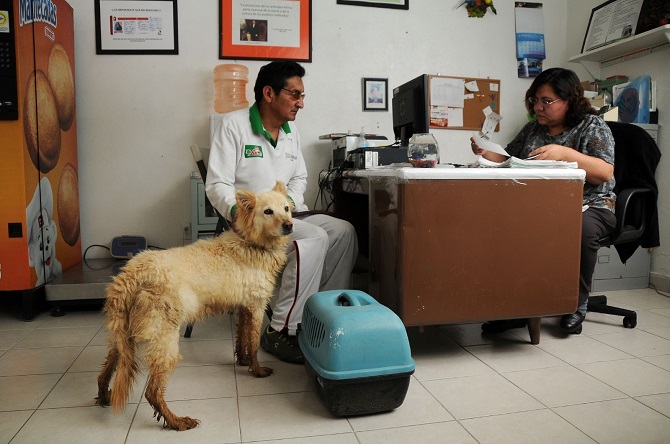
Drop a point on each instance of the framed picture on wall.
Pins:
(375, 94)
(136, 27)
(610, 22)
(395, 4)
(265, 30)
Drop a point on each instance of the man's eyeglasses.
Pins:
(296, 94)
(532, 101)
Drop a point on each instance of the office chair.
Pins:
(201, 157)
(636, 159)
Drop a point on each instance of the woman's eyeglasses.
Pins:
(532, 101)
(296, 94)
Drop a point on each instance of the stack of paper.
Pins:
(515, 162)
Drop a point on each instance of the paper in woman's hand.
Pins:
(488, 145)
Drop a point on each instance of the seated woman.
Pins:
(566, 127)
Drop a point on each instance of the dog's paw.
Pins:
(184, 423)
(104, 398)
(261, 372)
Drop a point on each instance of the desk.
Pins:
(455, 245)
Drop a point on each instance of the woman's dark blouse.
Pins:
(591, 136)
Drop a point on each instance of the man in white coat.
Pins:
(252, 149)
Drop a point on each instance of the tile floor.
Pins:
(607, 385)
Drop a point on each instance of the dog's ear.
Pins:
(246, 200)
(280, 187)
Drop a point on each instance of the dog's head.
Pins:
(264, 218)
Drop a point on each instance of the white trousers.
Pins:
(321, 256)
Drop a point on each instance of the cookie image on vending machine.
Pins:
(42, 234)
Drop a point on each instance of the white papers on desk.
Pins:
(515, 162)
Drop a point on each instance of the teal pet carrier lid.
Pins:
(347, 334)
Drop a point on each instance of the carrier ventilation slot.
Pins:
(314, 328)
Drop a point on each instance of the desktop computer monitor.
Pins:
(410, 109)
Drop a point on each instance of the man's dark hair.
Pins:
(566, 85)
(275, 75)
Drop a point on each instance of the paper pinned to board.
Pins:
(490, 122)
(488, 145)
(472, 86)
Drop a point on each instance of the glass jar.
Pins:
(423, 151)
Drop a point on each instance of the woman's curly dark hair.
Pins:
(566, 85)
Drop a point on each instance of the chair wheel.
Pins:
(630, 321)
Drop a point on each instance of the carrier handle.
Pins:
(346, 300)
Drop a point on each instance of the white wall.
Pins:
(657, 65)
(137, 115)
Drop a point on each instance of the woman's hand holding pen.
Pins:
(549, 152)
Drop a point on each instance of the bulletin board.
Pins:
(461, 102)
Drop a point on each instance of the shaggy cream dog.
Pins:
(159, 291)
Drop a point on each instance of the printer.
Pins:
(346, 149)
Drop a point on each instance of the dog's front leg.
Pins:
(250, 323)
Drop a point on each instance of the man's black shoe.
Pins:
(503, 325)
(572, 322)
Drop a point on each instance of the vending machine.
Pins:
(39, 186)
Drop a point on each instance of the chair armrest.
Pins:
(630, 214)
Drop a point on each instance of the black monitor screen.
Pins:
(410, 109)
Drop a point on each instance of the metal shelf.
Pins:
(636, 46)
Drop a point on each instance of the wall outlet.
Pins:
(187, 232)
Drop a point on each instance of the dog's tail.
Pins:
(118, 307)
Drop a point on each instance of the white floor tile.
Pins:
(660, 403)
(90, 359)
(619, 421)
(513, 357)
(202, 382)
(58, 337)
(580, 349)
(449, 362)
(662, 361)
(636, 342)
(340, 438)
(474, 396)
(435, 433)
(38, 361)
(534, 427)
(218, 423)
(11, 422)
(75, 319)
(9, 338)
(557, 386)
(78, 425)
(292, 415)
(285, 378)
(81, 390)
(25, 392)
(642, 299)
(633, 377)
